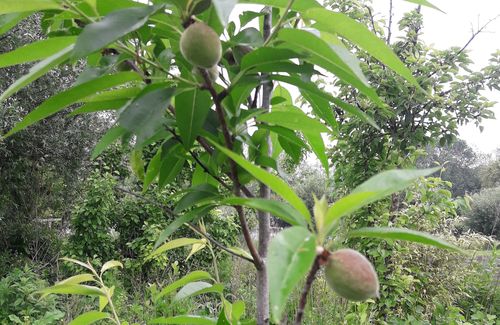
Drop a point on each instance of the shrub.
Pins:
(484, 216)
(19, 304)
(92, 220)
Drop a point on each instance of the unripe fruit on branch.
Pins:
(201, 46)
(213, 74)
(351, 275)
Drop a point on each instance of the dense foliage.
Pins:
(205, 140)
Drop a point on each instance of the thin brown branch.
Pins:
(389, 26)
(257, 260)
(218, 244)
(321, 259)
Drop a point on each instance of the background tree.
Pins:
(461, 166)
(41, 168)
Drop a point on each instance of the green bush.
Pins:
(484, 217)
(19, 303)
(92, 218)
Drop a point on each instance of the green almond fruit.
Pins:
(351, 275)
(201, 46)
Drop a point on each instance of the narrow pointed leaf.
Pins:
(402, 234)
(77, 279)
(71, 96)
(108, 138)
(191, 277)
(37, 71)
(176, 243)
(145, 115)
(291, 255)
(8, 21)
(191, 110)
(153, 170)
(36, 51)
(425, 3)
(300, 5)
(73, 289)
(185, 319)
(357, 33)
(278, 209)
(224, 9)
(196, 289)
(89, 318)
(109, 265)
(111, 28)
(275, 183)
(376, 188)
(11, 6)
(192, 215)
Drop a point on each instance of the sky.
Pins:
(453, 28)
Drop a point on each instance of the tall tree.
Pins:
(453, 97)
(38, 167)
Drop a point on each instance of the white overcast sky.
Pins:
(454, 29)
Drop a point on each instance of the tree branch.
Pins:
(234, 171)
(216, 243)
(321, 259)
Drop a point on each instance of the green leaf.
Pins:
(185, 319)
(73, 289)
(36, 51)
(146, 114)
(291, 255)
(77, 279)
(8, 21)
(341, 24)
(402, 234)
(71, 96)
(321, 54)
(11, 6)
(300, 5)
(191, 110)
(71, 260)
(178, 222)
(317, 144)
(313, 89)
(108, 138)
(224, 9)
(191, 277)
(137, 164)
(111, 28)
(89, 318)
(37, 71)
(109, 265)
(176, 243)
(153, 170)
(292, 118)
(171, 167)
(196, 289)
(275, 183)
(425, 3)
(376, 188)
(265, 55)
(93, 107)
(276, 208)
(196, 195)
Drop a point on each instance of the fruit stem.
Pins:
(307, 286)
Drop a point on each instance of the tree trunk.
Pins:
(264, 217)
